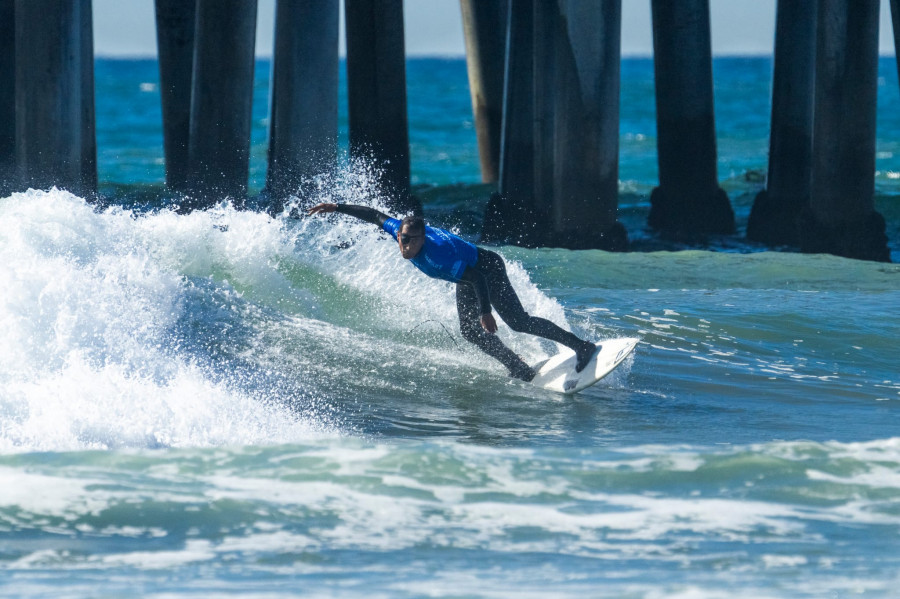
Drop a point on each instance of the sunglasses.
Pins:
(405, 239)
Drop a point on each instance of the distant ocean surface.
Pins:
(228, 404)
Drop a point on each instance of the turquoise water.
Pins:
(229, 404)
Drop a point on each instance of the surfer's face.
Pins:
(411, 242)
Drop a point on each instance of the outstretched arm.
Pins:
(370, 215)
(475, 277)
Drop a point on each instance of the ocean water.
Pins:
(231, 404)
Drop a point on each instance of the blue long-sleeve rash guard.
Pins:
(443, 255)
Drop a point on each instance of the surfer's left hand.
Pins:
(488, 323)
(322, 209)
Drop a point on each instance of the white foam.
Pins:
(93, 315)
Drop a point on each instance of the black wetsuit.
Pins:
(480, 286)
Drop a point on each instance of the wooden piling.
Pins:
(484, 26)
(221, 102)
(776, 209)
(376, 90)
(688, 200)
(175, 25)
(7, 96)
(55, 143)
(304, 112)
(841, 218)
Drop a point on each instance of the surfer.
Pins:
(481, 282)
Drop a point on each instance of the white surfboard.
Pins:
(558, 373)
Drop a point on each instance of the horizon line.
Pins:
(453, 56)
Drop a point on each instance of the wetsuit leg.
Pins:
(509, 307)
(470, 325)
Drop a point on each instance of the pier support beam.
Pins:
(484, 25)
(776, 209)
(304, 113)
(688, 200)
(895, 21)
(559, 175)
(585, 143)
(510, 215)
(88, 110)
(841, 218)
(221, 102)
(7, 96)
(55, 143)
(175, 24)
(376, 90)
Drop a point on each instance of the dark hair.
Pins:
(413, 224)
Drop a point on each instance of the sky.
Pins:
(434, 28)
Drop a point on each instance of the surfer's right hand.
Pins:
(322, 209)
(488, 323)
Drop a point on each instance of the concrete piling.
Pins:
(895, 21)
(776, 209)
(304, 110)
(484, 26)
(561, 131)
(7, 96)
(841, 217)
(376, 92)
(510, 214)
(175, 25)
(546, 38)
(221, 102)
(688, 200)
(54, 95)
(585, 145)
(88, 110)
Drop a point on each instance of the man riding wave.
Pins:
(481, 283)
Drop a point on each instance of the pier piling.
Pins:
(559, 174)
(88, 111)
(484, 25)
(688, 200)
(55, 142)
(376, 91)
(895, 21)
(7, 96)
(510, 214)
(584, 147)
(774, 218)
(841, 218)
(221, 102)
(304, 111)
(175, 25)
